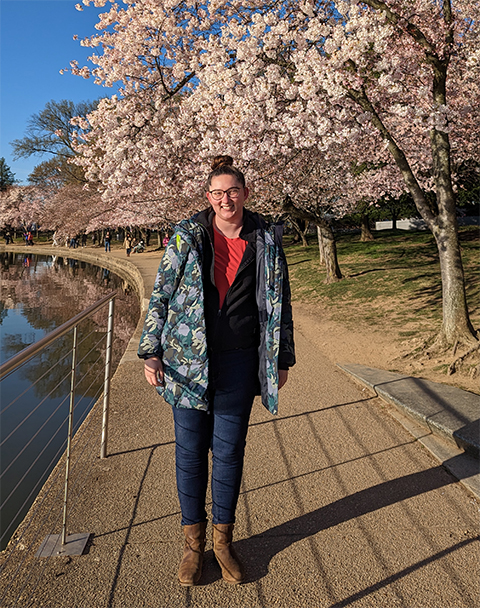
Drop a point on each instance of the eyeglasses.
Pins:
(217, 195)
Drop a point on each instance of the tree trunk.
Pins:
(321, 250)
(456, 326)
(366, 232)
(304, 234)
(440, 216)
(327, 238)
(299, 231)
(394, 220)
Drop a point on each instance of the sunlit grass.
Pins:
(392, 282)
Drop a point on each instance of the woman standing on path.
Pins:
(218, 331)
(128, 242)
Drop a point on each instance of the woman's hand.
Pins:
(153, 369)
(282, 377)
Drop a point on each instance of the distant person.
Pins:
(108, 238)
(218, 331)
(8, 236)
(139, 247)
(166, 239)
(128, 244)
(84, 239)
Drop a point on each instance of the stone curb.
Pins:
(446, 411)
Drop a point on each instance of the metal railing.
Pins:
(62, 544)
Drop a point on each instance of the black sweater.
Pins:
(235, 325)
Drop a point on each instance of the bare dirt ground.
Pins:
(379, 347)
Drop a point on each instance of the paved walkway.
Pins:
(340, 504)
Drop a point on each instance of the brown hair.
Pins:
(223, 165)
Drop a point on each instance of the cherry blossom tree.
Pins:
(394, 84)
(396, 80)
(20, 207)
(309, 190)
(392, 80)
(150, 141)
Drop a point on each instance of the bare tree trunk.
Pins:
(298, 230)
(366, 232)
(394, 220)
(456, 326)
(321, 249)
(327, 239)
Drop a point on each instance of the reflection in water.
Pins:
(38, 294)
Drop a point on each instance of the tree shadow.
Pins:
(116, 576)
(299, 262)
(279, 419)
(389, 580)
(469, 235)
(260, 549)
(370, 270)
(141, 449)
(390, 268)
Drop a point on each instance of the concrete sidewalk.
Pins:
(340, 505)
(445, 419)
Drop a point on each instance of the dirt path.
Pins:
(372, 347)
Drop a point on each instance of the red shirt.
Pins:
(228, 255)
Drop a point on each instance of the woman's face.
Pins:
(230, 206)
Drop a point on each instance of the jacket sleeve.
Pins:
(166, 282)
(286, 355)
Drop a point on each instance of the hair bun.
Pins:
(221, 161)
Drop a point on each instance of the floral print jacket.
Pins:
(174, 328)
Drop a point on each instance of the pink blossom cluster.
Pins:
(310, 97)
(21, 206)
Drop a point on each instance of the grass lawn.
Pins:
(392, 282)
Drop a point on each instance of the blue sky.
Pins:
(36, 42)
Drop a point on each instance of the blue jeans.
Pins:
(233, 384)
(107, 245)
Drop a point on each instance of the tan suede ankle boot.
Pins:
(232, 570)
(191, 565)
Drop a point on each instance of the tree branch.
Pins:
(361, 98)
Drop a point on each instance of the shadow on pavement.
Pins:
(259, 550)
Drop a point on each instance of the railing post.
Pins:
(106, 388)
(73, 544)
(69, 436)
